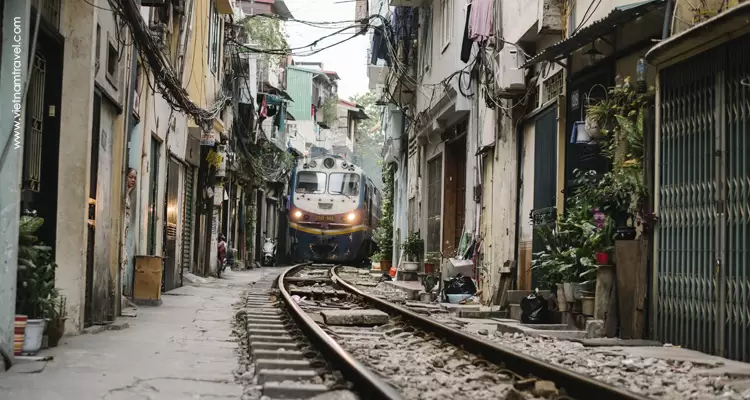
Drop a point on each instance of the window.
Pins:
(311, 182)
(553, 86)
(214, 33)
(344, 183)
(113, 59)
(446, 25)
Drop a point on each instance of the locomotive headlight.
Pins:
(298, 214)
(351, 217)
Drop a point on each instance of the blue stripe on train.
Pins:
(324, 248)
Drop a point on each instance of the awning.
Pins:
(619, 16)
(725, 26)
(271, 89)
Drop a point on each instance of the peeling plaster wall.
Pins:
(10, 172)
(78, 27)
(500, 207)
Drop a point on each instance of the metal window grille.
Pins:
(702, 271)
(35, 119)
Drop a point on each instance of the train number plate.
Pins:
(326, 218)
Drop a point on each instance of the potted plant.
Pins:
(413, 249)
(36, 296)
(56, 326)
(431, 260)
(601, 239)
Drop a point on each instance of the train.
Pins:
(334, 209)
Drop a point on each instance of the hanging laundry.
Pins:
(481, 19)
(467, 43)
(379, 47)
(263, 107)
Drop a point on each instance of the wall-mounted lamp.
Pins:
(593, 55)
(640, 75)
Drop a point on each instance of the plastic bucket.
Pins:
(34, 334)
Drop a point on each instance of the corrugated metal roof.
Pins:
(299, 87)
(597, 29)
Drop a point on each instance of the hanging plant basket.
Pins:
(593, 129)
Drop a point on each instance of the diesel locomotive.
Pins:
(334, 209)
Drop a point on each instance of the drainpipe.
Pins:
(519, 151)
(666, 28)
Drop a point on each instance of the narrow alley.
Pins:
(183, 349)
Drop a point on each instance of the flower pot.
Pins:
(587, 306)
(429, 268)
(410, 266)
(32, 341)
(375, 266)
(569, 289)
(624, 233)
(385, 265)
(593, 130)
(19, 334)
(425, 297)
(562, 305)
(602, 258)
(582, 289)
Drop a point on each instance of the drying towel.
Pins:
(480, 20)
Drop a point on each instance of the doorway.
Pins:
(172, 264)
(455, 195)
(545, 176)
(88, 317)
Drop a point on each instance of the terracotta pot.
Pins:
(587, 306)
(19, 334)
(602, 258)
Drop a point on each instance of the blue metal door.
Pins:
(702, 269)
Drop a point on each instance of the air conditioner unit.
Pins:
(510, 77)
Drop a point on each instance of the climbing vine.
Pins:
(267, 33)
(384, 233)
(329, 111)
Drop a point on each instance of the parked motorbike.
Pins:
(269, 252)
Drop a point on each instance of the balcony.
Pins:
(376, 73)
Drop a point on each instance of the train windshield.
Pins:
(346, 184)
(311, 182)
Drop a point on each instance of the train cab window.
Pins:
(341, 183)
(311, 182)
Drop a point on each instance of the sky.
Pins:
(347, 59)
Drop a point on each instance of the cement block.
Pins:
(280, 390)
(515, 312)
(274, 375)
(272, 339)
(595, 328)
(268, 363)
(355, 317)
(267, 332)
(270, 345)
(277, 354)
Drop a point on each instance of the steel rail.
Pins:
(575, 385)
(369, 385)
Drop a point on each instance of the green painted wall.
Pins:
(299, 87)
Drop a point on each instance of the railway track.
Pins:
(334, 336)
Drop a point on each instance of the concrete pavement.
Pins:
(181, 350)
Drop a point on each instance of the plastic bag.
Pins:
(460, 285)
(534, 309)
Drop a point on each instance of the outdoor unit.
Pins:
(510, 77)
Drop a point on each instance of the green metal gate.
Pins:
(703, 249)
